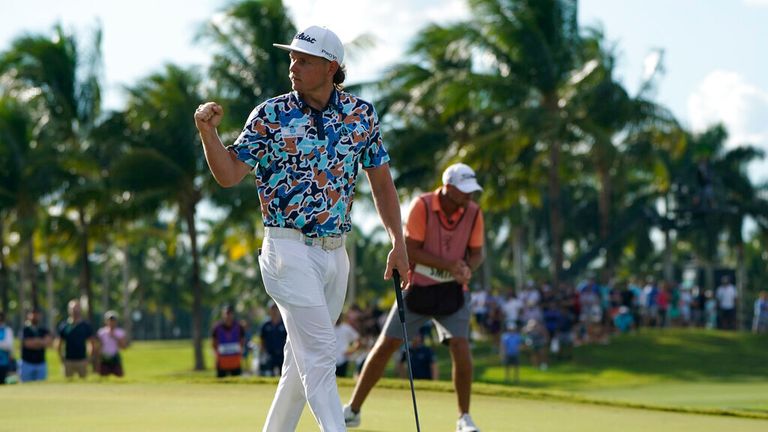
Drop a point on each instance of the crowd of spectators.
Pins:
(543, 322)
(551, 322)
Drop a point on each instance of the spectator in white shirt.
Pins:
(726, 303)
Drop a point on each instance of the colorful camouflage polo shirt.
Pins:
(306, 161)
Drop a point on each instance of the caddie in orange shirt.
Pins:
(444, 237)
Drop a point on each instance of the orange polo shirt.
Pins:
(416, 224)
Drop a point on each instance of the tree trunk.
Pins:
(518, 252)
(85, 268)
(553, 187)
(23, 282)
(604, 207)
(709, 275)
(669, 270)
(32, 277)
(487, 270)
(741, 284)
(105, 286)
(126, 300)
(51, 316)
(197, 290)
(555, 217)
(5, 282)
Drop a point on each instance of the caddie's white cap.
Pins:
(317, 41)
(462, 177)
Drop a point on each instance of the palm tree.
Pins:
(494, 84)
(29, 173)
(608, 121)
(246, 68)
(166, 146)
(719, 198)
(65, 80)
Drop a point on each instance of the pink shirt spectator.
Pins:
(109, 346)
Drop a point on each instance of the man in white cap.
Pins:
(305, 148)
(444, 235)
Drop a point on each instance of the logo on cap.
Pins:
(329, 54)
(306, 38)
(316, 41)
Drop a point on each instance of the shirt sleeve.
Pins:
(416, 223)
(375, 154)
(477, 238)
(252, 143)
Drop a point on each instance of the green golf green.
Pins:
(678, 379)
(169, 407)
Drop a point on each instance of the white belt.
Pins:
(327, 243)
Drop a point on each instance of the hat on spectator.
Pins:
(317, 41)
(462, 177)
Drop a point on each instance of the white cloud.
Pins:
(725, 96)
(392, 23)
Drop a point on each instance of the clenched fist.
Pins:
(208, 116)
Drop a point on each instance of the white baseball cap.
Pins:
(462, 177)
(317, 41)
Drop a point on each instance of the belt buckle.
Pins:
(332, 243)
(325, 243)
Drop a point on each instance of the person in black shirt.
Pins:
(34, 340)
(423, 362)
(273, 336)
(75, 336)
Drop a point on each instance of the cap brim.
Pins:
(293, 48)
(469, 186)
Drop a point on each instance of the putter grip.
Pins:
(398, 295)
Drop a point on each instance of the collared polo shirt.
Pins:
(306, 161)
(416, 223)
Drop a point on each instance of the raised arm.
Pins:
(388, 206)
(224, 165)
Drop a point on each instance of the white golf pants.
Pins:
(308, 285)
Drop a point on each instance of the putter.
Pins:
(401, 312)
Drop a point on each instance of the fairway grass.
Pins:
(655, 380)
(180, 407)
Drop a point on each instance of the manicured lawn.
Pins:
(171, 407)
(654, 380)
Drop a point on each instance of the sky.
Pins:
(714, 51)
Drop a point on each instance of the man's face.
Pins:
(460, 198)
(308, 73)
(74, 309)
(33, 317)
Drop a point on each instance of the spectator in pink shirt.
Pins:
(111, 340)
